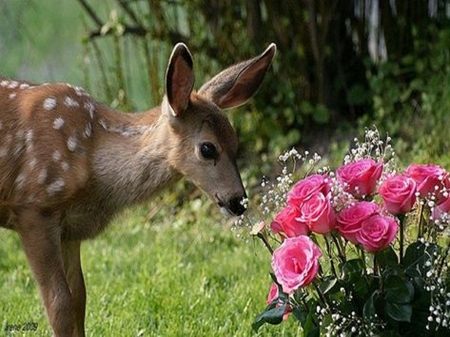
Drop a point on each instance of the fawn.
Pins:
(68, 164)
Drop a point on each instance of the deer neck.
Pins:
(130, 162)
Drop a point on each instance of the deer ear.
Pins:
(235, 85)
(179, 79)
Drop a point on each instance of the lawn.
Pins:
(180, 274)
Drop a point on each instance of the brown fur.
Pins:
(69, 164)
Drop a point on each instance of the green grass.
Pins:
(185, 274)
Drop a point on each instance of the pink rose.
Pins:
(273, 295)
(441, 209)
(349, 219)
(295, 263)
(360, 178)
(285, 222)
(377, 232)
(429, 178)
(305, 188)
(398, 193)
(317, 213)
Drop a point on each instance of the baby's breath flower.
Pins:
(331, 313)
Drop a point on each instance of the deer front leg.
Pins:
(40, 235)
(75, 280)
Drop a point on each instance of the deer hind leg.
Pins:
(40, 235)
(75, 280)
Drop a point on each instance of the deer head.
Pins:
(200, 128)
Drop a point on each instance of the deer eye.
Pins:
(208, 151)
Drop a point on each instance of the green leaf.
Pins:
(364, 286)
(306, 318)
(327, 285)
(387, 258)
(272, 315)
(399, 312)
(369, 307)
(310, 328)
(398, 290)
(398, 295)
(306, 108)
(416, 256)
(357, 95)
(301, 313)
(352, 270)
(321, 114)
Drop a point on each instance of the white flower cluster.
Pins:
(439, 267)
(442, 222)
(341, 198)
(274, 196)
(373, 147)
(274, 193)
(343, 325)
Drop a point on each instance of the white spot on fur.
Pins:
(49, 103)
(13, 84)
(72, 143)
(4, 83)
(56, 156)
(65, 166)
(19, 144)
(70, 102)
(20, 180)
(89, 106)
(79, 91)
(18, 148)
(12, 95)
(42, 176)
(24, 86)
(58, 123)
(32, 163)
(29, 140)
(87, 130)
(102, 122)
(55, 187)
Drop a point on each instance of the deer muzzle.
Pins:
(233, 207)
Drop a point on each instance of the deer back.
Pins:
(63, 152)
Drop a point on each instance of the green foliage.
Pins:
(218, 35)
(40, 40)
(321, 79)
(179, 274)
(411, 99)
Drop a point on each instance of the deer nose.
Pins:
(236, 206)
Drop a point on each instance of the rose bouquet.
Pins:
(363, 250)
